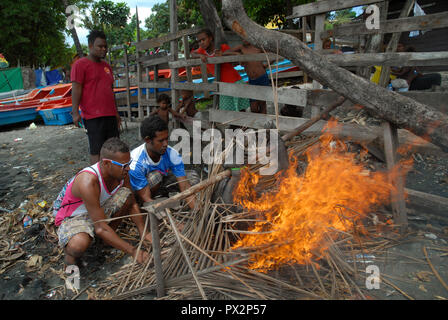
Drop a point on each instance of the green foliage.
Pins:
(158, 23)
(266, 11)
(339, 17)
(112, 18)
(32, 32)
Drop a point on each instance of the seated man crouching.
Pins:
(96, 193)
(155, 165)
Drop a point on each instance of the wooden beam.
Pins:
(157, 42)
(147, 102)
(196, 86)
(396, 59)
(296, 97)
(157, 61)
(158, 85)
(347, 131)
(224, 59)
(124, 69)
(437, 100)
(426, 22)
(427, 203)
(390, 134)
(292, 74)
(326, 6)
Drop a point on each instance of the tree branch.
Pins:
(405, 112)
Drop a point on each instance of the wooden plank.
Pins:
(426, 22)
(196, 86)
(153, 56)
(396, 59)
(390, 134)
(153, 84)
(224, 59)
(148, 102)
(326, 6)
(437, 100)
(123, 70)
(346, 131)
(320, 27)
(157, 61)
(156, 252)
(427, 203)
(157, 42)
(292, 74)
(204, 78)
(174, 50)
(296, 97)
(128, 92)
(187, 56)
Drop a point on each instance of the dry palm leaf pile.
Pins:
(301, 234)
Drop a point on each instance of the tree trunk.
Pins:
(405, 112)
(73, 32)
(211, 18)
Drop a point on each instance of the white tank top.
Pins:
(104, 195)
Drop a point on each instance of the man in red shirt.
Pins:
(92, 90)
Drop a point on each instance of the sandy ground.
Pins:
(35, 164)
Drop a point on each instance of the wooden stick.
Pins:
(227, 269)
(184, 252)
(154, 222)
(396, 288)
(185, 194)
(434, 269)
(313, 120)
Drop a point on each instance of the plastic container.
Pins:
(56, 116)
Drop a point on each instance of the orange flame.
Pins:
(307, 206)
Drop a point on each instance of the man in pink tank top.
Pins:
(95, 194)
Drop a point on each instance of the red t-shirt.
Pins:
(97, 99)
(228, 73)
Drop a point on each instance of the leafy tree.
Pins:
(112, 19)
(339, 17)
(32, 32)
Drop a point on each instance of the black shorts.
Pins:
(99, 130)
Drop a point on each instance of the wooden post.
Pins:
(128, 91)
(205, 78)
(187, 56)
(139, 70)
(393, 43)
(320, 26)
(305, 76)
(174, 49)
(157, 256)
(397, 198)
(391, 137)
(156, 79)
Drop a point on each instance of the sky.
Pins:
(144, 11)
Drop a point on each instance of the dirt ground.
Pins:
(35, 164)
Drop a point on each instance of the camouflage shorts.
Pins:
(73, 225)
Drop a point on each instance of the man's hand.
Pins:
(76, 119)
(203, 59)
(142, 256)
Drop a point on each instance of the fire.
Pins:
(307, 206)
